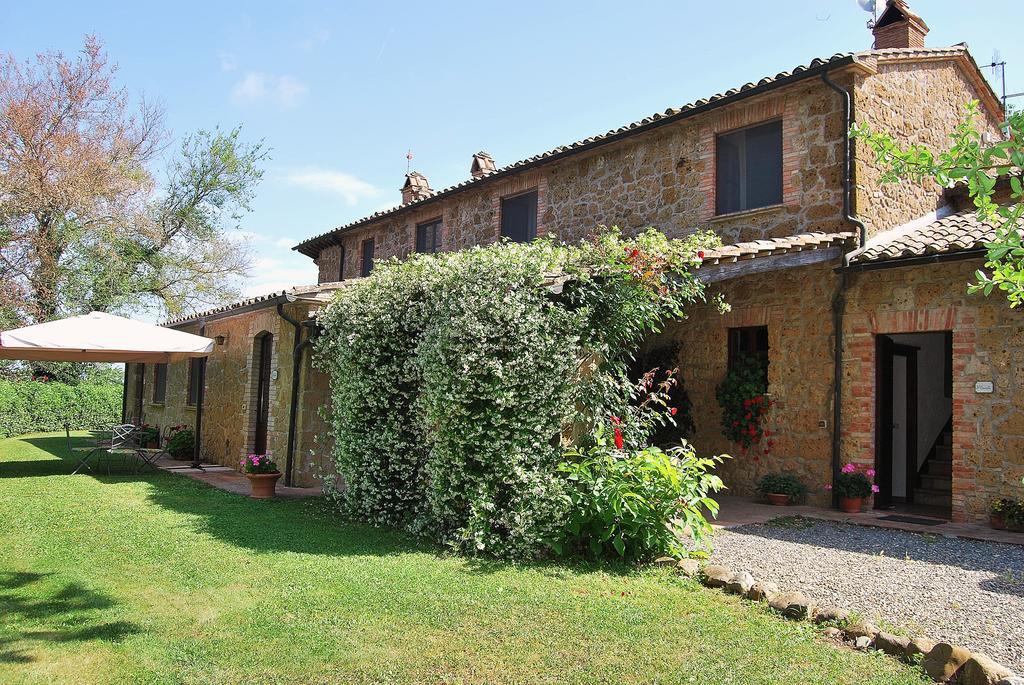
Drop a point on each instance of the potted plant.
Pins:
(853, 485)
(782, 488)
(181, 444)
(148, 436)
(1007, 514)
(262, 473)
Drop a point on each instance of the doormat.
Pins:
(913, 519)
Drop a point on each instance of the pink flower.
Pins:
(849, 468)
(874, 488)
(870, 473)
(828, 486)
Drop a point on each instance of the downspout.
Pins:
(197, 460)
(298, 347)
(839, 299)
(124, 396)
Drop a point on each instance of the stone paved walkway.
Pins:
(227, 478)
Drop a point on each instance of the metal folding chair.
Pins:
(121, 439)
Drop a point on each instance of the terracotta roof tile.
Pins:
(953, 233)
(774, 246)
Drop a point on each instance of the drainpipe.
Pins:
(298, 348)
(839, 299)
(197, 460)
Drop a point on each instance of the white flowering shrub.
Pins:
(460, 380)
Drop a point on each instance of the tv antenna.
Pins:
(1000, 64)
(408, 162)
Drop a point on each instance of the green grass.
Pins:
(159, 579)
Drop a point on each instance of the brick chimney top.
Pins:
(415, 187)
(483, 164)
(898, 27)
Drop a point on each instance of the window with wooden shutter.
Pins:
(428, 237)
(159, 383)
(748, 168)
(519, 217)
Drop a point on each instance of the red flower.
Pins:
(700, 254)
(673, 411)
(618, 438)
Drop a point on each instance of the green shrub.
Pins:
(181, 444)
(36, 406)
(783, 484)
(635, 504)
(741, 395)
(459, 379)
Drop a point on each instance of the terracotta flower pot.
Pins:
(850, 505)
(777, 499)
(997, 522)
(263, 484)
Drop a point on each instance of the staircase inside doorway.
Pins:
(933, 493)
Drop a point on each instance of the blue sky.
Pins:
(340, 91)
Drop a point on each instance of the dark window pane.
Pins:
(428, 237)
(341, 263)
(764, 165)
(748, 168)
(519, 217)
(367, 263)
(727, 165)
(748, 341)
(159, 383)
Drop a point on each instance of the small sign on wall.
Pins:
(983, 387)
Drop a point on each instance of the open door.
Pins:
(912, 423)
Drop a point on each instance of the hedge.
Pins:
(35, 407)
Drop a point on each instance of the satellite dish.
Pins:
(867, 5)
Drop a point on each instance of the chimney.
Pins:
(415, 188)
(483, 164)
(898, 27)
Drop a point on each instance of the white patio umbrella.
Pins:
(100, 337)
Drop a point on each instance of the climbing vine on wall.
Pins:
(459, 380)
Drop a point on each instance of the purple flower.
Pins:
(874, 488)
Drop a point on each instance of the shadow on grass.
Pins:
(306, 526)
(65, 461)
(44, 612)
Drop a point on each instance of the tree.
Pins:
(83, 222)
(980, 164)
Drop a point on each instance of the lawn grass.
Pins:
(160, 579)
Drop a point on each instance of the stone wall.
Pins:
(229, 399)
(988, 345)
(663, 178)
(795, 305)
(914, 102)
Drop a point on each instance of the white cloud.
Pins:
(269, 275)
(256, 87)
(351, 188)
(285, 243)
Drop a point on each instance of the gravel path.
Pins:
(965, 592)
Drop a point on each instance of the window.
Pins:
(159, 383)
(193, 382)
(749, 341)
(367, 263)
(519, 217)
(341, 262)
(428, 236)
(748, 168)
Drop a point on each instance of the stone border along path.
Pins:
(964, 592)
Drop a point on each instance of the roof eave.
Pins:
(312, 247)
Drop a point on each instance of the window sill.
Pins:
(742, 214)
(156, 404)
(190, 406)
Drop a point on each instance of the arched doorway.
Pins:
(263, 355)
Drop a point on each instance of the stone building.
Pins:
(854, 292)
